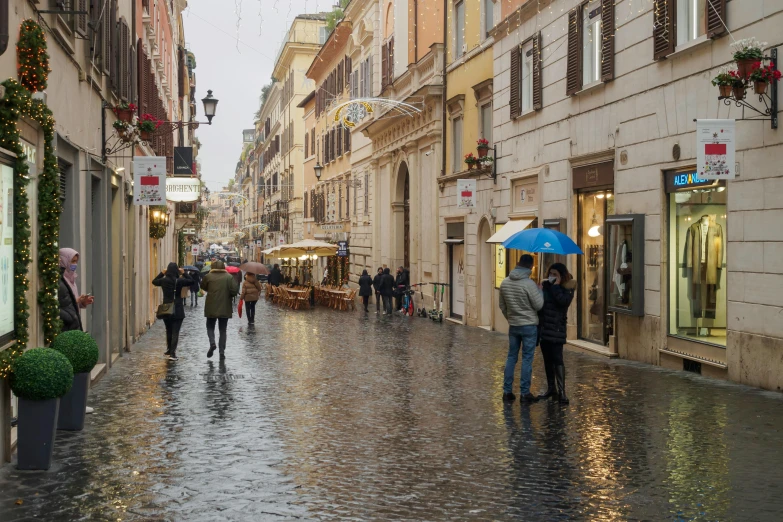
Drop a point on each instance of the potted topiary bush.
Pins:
(82, 352)
(39, 377)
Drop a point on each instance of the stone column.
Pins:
(414, 180)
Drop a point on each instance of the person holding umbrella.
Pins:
(558, 291)
(556, 295)
(251, 293)
(221, 288)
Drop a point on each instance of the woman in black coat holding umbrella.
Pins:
(365, 289)
(172, 281)
(558, 292)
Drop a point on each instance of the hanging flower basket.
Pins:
(482, 146)
(747, 52)
(739, 92)
(470, 160)
(745, 67)
(124, 112)
(725, 90)
(760, 87)
(145, 135)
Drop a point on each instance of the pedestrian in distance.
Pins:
(520, 301)
(387, 291)
(71, 301)
(558, 292)
(251, 292)
(275, 277)
(195, 276)
(365, 289)
(326, 276)
(172, 281)
(401, 283)
(376, 284)
(221, 288)
(70, 304)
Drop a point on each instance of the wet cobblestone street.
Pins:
(319, 415)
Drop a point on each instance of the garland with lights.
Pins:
(33, 59)
(18, 102)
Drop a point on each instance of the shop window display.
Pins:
(697, 253)
(594, 207)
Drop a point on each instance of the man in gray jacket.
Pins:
(520, 301)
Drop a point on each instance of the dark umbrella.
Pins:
(254, 268)
(233, 264)
(189, 267)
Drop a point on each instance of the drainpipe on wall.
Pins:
(443, 100)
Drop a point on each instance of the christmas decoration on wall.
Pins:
(18, 102)
(32, 57)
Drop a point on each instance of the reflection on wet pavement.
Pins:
(327, 415)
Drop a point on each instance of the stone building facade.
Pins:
(599, 141)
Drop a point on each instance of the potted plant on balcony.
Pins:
(147, 125)
(82, 352)
(763, 76)
(725, 81)
(747, 52)
(482, 146)
(124, 130)
(485, 162)
(470, 160)
(124, 111)
(39, 377)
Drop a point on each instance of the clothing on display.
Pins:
(621, 276)
(704, 258)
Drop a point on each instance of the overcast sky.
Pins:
(235, 71)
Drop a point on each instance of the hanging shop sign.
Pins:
(149, 180)
(194, 250)
(687, 180)
(466, 193)
(500, 259)
(6, 253)
(339, 227)
(715, 147)
(342, 249)
(183, 161)
(248, 135)
(593, 176)
(183, 190)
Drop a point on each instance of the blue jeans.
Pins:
(526, 336)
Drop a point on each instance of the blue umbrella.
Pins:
(189, 267)
(542, 240)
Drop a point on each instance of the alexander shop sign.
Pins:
(183, 190)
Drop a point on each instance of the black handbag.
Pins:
(165, 310)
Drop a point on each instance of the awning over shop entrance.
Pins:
(509, 229)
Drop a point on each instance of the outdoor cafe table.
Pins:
(298, 294)
(335, 296)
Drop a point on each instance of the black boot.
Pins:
(551, 391)
(560, 377)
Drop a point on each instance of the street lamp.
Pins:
(210, 104)
(318, 169)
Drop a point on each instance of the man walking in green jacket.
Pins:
(221, 288)
(520, 301)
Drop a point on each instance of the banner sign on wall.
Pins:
(183, 161)
(715, 145)
(149, 180)
(342, 249)
(466, 193)
(183, 190)
(195, 250)
(6, 253)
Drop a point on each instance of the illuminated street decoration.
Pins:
(349, 113)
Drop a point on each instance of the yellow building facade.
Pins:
(468, 118)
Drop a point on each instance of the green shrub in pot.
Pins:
(80, 348)
(40, 374)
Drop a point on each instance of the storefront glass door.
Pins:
(593, 287)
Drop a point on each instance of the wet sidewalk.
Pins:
(319, 415)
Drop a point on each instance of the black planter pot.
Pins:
(36, 430)
(74, 403)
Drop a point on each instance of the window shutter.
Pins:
(114, 51)
(391, 61)
(607, 40)
(716, 11)
(106, 33)
(574, 62)
(347, 139)
(133, 73)
(537, 101)
(338, 131)
(81, 20)
(312, 142)
(514, 98)
(348, 67)
(384, 66)
(306, 144)
(181, 71)
(123, 54)
(63, 180)
(663, 28)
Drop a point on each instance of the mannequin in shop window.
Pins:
(704, 256)
(621, 277)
